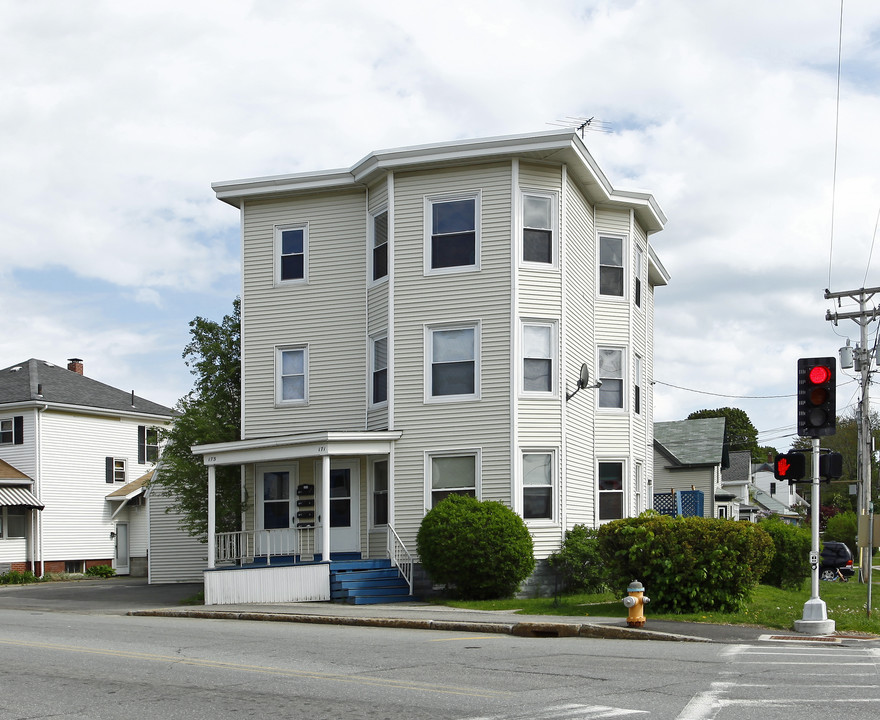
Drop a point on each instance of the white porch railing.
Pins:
(247, 545)
(400, 557)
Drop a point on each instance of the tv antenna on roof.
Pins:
(582, 124)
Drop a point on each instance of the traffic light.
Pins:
(816, 396)
(791, 466)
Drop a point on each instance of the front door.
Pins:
(344, 506)
(122, 549)
(275, 488)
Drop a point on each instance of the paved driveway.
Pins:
(110, 595)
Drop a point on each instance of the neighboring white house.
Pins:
(689, 455)
(416, 325)
(74, 454)
(773, 496)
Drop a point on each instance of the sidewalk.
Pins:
(425, 616)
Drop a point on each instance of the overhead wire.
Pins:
(836, 142)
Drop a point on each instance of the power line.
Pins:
(836, 142)
(739, 397)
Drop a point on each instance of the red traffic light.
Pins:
(819, 374)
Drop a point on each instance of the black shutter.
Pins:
(18, 430)
(108, 469)
(142, 444)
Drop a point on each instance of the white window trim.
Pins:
(292, 469)
(625, 487)
(11, 430)
(124, 468)
(279, 401)
(304, 226)
(428, 361)
(4, 526)
(625, 393)
(554, 486)
(476, 196)
(554, 229)
(624, 244)
(476, 453)
(639, 271)
(638, 382)
(373, 339)
(371, 491)
(371, 239)
(554, 359)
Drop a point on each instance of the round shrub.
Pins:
(482, 549)
(104, 571)
(790, 565)
(687, 564)
(843, 527)
(579, 561)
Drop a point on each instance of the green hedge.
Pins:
(480, 549)
(790, 565)
(843, 527)
(579, 562)
(687, 564)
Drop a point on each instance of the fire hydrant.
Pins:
(636, 601)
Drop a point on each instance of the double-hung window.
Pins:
(537, 220)
(452, 370)
(12, 522)
(291, 375)
(611, 376)
(453, 240)
(639, 262)
(6, 431)
(291, 253)
(453, 474)
(610, 491)
(538, 485)
(148, 444)
(114, 470)
(538, 348)
(611, 266)
(379, 257)
(379, 371)
(638, 383)
(12, 430)
(380, 493)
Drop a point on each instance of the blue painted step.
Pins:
(361, 582)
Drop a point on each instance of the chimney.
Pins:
(75, 365)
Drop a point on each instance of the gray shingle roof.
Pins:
(39, 381)
(692, 442)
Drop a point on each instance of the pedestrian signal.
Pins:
(791, 466)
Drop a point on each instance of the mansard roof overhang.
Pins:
(295, 447)
(553, 146)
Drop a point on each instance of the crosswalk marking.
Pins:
(572, 711)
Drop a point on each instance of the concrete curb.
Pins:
(518, 629)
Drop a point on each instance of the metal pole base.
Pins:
(815, 621)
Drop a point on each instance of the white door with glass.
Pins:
(275, 490)
(344, 512)
(121, 565)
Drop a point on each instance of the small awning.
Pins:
(19, 496)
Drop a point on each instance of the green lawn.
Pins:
(769, 607)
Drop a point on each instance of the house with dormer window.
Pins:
(472, 317)
(74, 456)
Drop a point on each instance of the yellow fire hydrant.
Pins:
(636, 600)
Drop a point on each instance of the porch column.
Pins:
(325, 505)
(212, 509)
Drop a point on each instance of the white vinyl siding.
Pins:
(450, 298)
(174, 555)
(77, 518)
(327, 314)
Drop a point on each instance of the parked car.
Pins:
(836, 561)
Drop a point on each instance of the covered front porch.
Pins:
(314, 500)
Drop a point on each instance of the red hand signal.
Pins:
(782, 466)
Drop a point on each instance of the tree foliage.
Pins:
(790, 565)
(740, 433)
(209, 413)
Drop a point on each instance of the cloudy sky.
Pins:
(117, 116)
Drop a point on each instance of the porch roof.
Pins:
(293, 447)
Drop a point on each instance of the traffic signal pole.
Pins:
(815, 620)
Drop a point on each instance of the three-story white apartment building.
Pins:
(417, 325)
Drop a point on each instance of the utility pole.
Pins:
(864, 358)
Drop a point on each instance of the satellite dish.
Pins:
(584, 378)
